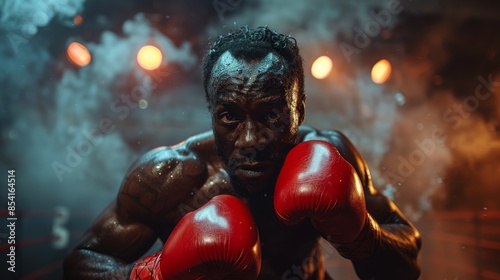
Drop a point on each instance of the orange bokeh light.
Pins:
(381, 71)
(78, 54)
(149, 57)
(78, 19)
(321, 67)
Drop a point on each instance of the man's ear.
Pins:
(302, 110)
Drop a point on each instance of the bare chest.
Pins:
(283, 247)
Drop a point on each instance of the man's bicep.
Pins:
(145, 207)
(381, 208)
(117, 235)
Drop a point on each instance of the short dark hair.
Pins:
(245, 42)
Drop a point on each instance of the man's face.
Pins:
(255, 117)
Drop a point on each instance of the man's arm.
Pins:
(109, 247)
(395, 256)
(146, 206)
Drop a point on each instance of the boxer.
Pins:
(294, 183)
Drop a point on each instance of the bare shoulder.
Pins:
(162, 179)
(346, 149)
(337, 138)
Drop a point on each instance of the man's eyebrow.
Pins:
(271, 100)
(263, 101)
(225, 103)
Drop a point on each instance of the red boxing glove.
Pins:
(219, 240)
(316, 182)
(147, 268)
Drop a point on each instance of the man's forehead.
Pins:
(230, 65)
(264, 81)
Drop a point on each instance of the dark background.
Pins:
(430, 133)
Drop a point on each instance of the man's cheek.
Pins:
(283, 130)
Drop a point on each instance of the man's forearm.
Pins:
(89, 265)
(395, 257)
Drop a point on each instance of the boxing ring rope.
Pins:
(60, 216)
(464, 214)
(29, 242)
(456, 245)
(37, 241)
(467, 242)
(43, 271)
(470, 241)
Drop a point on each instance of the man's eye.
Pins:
(227, 117)
(272, 116)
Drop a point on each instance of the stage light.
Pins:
(149, 57)
(381, 71)
(78, 54)
(321, 67)
(77, 20)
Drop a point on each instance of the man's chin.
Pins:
(247, 185)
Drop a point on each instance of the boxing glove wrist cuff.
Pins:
(147, 268)
(363, 246)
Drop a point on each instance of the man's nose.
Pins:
(252, 137)
(248, 136)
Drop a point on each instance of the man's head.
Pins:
(254, 84)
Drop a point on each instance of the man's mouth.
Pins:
(251, 170)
